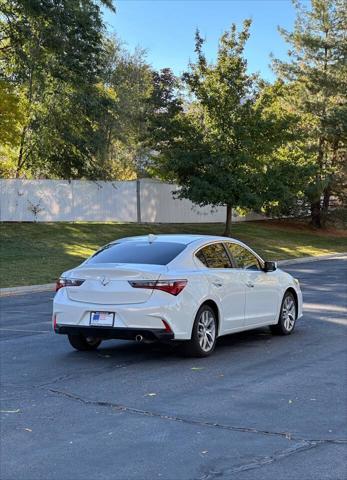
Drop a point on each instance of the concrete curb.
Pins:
(46, 287)
(5, 292)
(294, 261)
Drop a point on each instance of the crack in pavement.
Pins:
(137, 411)
(302, 446)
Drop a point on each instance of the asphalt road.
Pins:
(261, 407)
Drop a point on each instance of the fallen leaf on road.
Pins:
(197, 368)
(150, 394)
(290, 401)
(204, 451)
(10, 411)
(28, 429)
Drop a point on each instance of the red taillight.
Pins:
(54, 321)
(67, 282)
(174, 287)
(167, 326)
(59, 284)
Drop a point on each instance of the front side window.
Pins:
(156, 253)
(214, 256)
(242, 257)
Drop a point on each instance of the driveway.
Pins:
(261, 407)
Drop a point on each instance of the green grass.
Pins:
(34, 253)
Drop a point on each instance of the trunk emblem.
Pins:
(104, 281)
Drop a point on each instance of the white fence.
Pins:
(144, 200)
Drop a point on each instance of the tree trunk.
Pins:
(316, 214)
(227, 231)
(325, 206)
(316, 210)
(21, 158)
(21, 161)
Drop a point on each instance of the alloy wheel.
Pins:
(288, 314)
(206, 330)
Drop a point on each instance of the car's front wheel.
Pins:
(79, 342)
(288, 315)
(204, 333)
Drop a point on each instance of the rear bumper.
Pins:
(106, 333)
(177, 312)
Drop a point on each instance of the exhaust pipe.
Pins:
(139, 338)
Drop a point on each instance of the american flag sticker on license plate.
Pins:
(104, 319)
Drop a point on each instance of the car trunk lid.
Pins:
(108, 284)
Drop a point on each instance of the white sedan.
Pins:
(191, 288)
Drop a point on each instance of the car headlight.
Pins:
(297, 282)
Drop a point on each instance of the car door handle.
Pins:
(250, 284)
(217, 284)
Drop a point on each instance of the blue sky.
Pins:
(166, 28)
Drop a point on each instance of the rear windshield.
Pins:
(156, 253)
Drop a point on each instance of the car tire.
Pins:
(84, 344)
(204, 333)
(287, 317)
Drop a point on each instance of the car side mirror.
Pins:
(270, 266)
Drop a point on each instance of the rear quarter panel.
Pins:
(188, 301)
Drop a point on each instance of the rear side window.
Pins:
(214, 256)
(156, 253)
(242, 257)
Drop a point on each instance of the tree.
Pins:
(128, 78)
(318, 66)
(216, 154)
(10, 126)
(83, 97)
(162, 113)
(52, 53)
(289, 168)
(163, 105)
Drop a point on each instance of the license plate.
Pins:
(104, 319)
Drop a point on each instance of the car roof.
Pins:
(186, 239)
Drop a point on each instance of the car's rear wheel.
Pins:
(79, 342)
(288, 315)
(204, 333)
